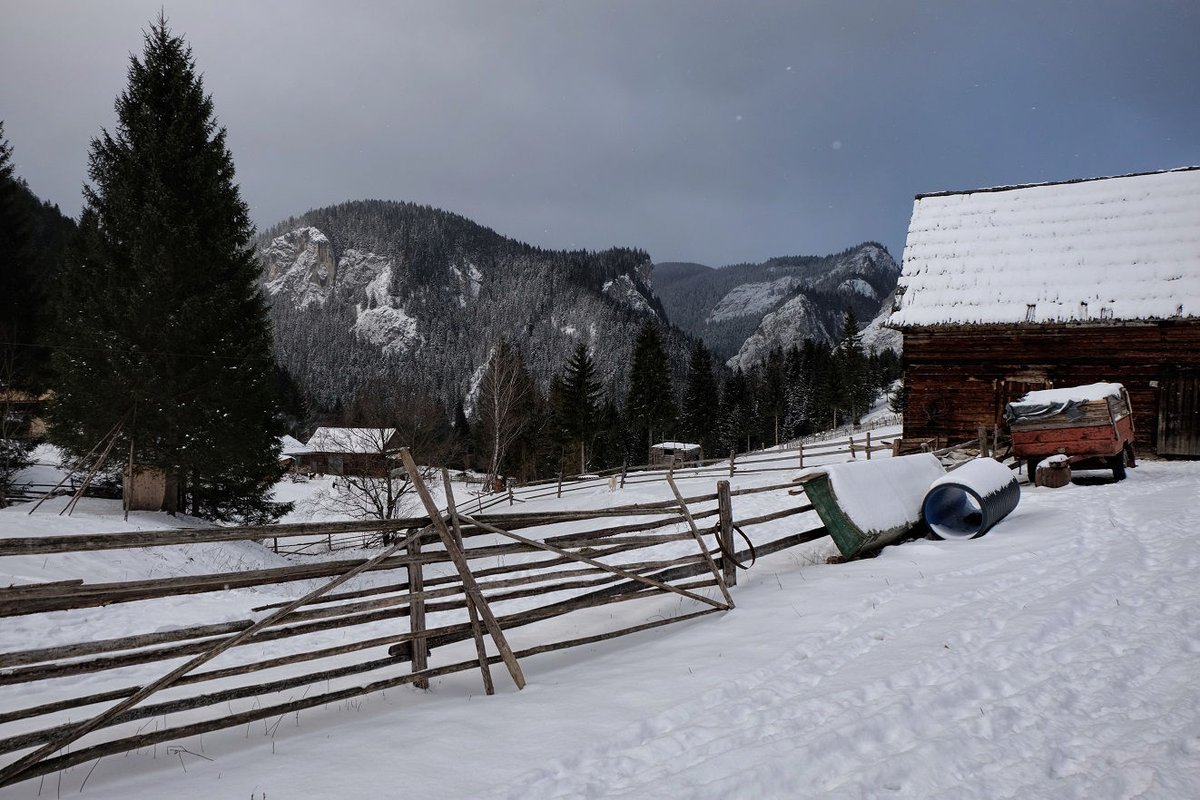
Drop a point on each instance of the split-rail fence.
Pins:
(460, 577)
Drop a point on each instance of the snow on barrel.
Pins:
(966, 503)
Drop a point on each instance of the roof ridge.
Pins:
(1010, 187)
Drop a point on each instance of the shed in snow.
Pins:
(1016, 288)
(149, 488)
(349, 451)
(670, 454)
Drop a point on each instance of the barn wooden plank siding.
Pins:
(959, 377)
(1007, 290)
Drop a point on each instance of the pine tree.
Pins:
(650, 401)
(578, 403)
(18, 304)
(701, 404)
(16, 282)
(734, 422)
(855, 388)
(161, 323)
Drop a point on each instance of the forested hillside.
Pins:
(379, 290)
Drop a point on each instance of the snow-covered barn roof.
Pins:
(1122, 248)
(349, 440)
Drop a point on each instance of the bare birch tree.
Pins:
(504, 393)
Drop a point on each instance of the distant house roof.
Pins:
(1122, 248)
(674, 446)
(349, 440)
(292, 446)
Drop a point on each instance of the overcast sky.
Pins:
(714, 132)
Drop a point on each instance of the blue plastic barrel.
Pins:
(967, 502)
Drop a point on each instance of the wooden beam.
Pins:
(472, 611)
(469, 585)
(700, 542)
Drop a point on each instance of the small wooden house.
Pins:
(670, 454)
(1016, 288)
(350, 451)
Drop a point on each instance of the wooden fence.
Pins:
(789, 458)
(459, 578)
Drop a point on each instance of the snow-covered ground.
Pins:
(1056, 657)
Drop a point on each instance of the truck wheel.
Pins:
(1118, 466)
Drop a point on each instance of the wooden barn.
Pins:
(350, 451)
(1017, 288)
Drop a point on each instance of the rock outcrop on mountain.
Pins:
(386, 291)
(744, 310)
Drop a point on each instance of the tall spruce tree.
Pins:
(701, 403)
(650, 401)
(18, 304)
(162, 328)
(855, 389)
(578, 402)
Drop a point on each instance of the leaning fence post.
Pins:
(416, 618)
(624, 469)
(725, 514)
(852, 455)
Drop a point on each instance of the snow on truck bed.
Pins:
(1056, 657)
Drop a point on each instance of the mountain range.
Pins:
(371, 291)
(742, 311)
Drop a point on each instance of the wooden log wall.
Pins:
(958, 377)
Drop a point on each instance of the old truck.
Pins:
(1092, 425)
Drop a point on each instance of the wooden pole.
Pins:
(470, 587)
(800, 449)
(852, 455)
(472, 611)
(78, 465)
(983, 442)
(624, 469)
(725, 512)
(69, 508)
(19, 766)
(868, 445)
(416, 614)
(732, 457)
(700, 541)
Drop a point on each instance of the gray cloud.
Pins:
(706, 131)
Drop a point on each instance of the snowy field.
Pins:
(1057, 657)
